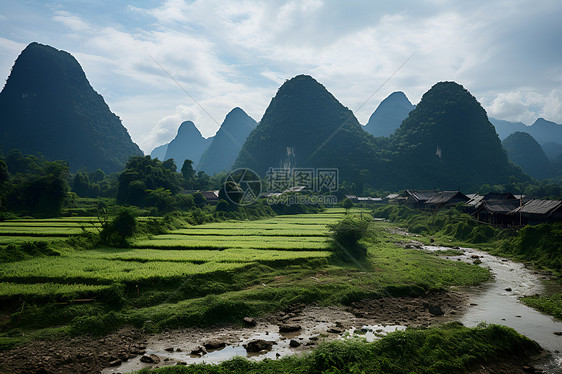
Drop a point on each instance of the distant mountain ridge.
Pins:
(159, 152)
(541, 130)
(48, 106)
(527, 153)
(227, 142)
(389, 115)
(188, 144)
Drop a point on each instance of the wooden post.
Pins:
(520, 206)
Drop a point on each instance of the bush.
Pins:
(122, 227)
(345, 237)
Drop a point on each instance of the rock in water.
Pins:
(289, 328)
(214, 344)
(249, 322)
(258, 345)
(150, 359)
(435, 310)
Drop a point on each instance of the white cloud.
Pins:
(527, 106)
(228, 53)
(71, 21)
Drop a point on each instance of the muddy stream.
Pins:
(494, 302)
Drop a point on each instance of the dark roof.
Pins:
(499, 196)
(210, 195)
(444, 197)
(421, 195)
(498, 206)
(537, 206)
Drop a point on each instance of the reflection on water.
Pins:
(494, 302)
(497, 301)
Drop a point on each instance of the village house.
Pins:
(537, 211)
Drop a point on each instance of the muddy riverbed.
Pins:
(494, 302)
(310, 326)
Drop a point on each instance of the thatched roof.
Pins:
(444, 197)
(420, 195)
(539, 207)
(498, 206)
(499, 196)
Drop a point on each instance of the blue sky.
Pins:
(237, 53)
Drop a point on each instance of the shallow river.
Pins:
(494, 302)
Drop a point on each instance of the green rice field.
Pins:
(203, 250)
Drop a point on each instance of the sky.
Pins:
(159, 63)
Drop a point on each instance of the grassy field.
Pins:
(200, 275)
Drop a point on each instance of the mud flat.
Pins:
(298, 329)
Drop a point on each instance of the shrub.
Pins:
(122, 227)
(345, 237)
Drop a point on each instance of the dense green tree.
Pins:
(345, 236)
(202, 181)
(81, 184)
(188, 174)
(4, 174)
(161, 199)
(144, 173)
(199, 199)
(347, 204)
(97, 176)
(170, 164)
(41, 194)
(117, 231)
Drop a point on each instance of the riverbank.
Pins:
(450, 348)
(396, 286)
